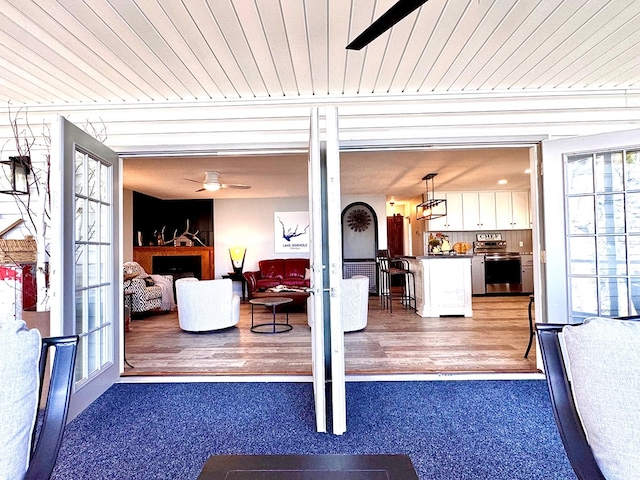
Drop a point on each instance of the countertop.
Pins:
(436, 255)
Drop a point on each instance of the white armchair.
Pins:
(355, 303)
(206, 305)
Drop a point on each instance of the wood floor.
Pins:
(493, 340)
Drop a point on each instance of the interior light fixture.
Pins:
(237, 255)
(430, 207)
(13, 175)
(212, 187)
(502, 182)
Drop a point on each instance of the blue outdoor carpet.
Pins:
(450, 429)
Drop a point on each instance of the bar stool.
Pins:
(531, 329)
(386, 274)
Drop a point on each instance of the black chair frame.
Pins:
(46, 440)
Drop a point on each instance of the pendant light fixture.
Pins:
(430, 207)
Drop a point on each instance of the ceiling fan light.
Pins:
(212, 187)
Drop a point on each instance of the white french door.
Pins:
(85, 257)
(324, 306)
(315, 305)
(593, 249)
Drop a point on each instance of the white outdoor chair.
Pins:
(206, 305)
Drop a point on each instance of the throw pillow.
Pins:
(604, 360)
(19, 385)
(307, 274)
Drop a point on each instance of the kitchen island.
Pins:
(443, 285)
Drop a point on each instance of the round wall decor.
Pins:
(358, 220)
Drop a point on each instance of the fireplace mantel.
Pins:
(144, 256)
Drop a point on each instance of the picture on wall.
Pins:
(291, 232)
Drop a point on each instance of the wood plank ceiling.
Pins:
(109, 51)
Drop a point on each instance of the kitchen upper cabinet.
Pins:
(512, 210)
(452, 221)
(479, 210)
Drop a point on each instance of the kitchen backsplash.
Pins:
(512, 237)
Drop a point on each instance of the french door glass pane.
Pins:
(603, 226)
(633, 212)
(582, 256)
(584, 297)
(580, 215)
(94, 216)
(579, 174)
(610, 216)
(632, 170)
(614, 298)
(612, 255)
(609, 172)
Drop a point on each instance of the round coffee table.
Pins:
(274, 327)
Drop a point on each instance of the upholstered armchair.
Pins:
(354, 302)
(147, 291)
(206, 305)
(593, 375)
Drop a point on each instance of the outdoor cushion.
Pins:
(19, 388)
(604, 362)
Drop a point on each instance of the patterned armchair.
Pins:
(146, 294)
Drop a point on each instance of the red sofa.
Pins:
(280, 271)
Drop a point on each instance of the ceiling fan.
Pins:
(388, 19)
(212, 183)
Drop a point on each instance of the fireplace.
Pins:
(179, 266)
(176, 261)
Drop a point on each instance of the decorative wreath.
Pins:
(358, 220)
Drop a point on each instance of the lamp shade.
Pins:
(237, 255)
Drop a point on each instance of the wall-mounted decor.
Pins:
(291, 232)
(358, 219)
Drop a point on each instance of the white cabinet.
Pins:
(443, 285)
(453, 220)
(526, 264)
(512, 210)
(479, 210)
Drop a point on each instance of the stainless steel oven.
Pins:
(502, 272)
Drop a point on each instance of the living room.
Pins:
(250, 223)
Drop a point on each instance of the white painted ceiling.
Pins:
(66, 52)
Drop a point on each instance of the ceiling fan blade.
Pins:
(189, 180)
(234, 185)
(201, 190)
(401, 9)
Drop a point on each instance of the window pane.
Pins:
(614, 300)
(633, 212)
(579, 174)
(91, 219)
(632, 169)
(633, 242)
(79, 173)
(582, 256)
(92, 166)
(80, 265)
(635, 296)
(105, 223)
(609, 172)
(610, 213)
(584, 297)
(80, 233)
(105, 183)
(612, 255)
(93, 265)
(581, 215)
